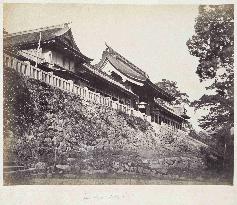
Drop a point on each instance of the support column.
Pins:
(40, 74)
(50, 78)
(148, 110)
(14, 66)
(27, 68)
(156, 118)
(61, 84)
(71, 84)
(86, 93)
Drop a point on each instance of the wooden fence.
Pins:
(30, 71)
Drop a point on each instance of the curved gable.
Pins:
(125, 69)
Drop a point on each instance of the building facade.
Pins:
(53, 50)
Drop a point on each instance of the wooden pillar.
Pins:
(50, 78)
(14, 66)
(86, 93)
(27, 68)
(158, 118)
(152, 117)
(40, 74)
(71, 85)
(148, 110)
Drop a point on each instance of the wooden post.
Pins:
(14, 66)
(50, 78)
(70, 85)
(40, 74)
(27, 68)
(86, 93)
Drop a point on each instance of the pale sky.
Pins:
(152, 37)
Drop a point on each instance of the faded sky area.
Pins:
(152, 37)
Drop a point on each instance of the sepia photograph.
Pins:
(118, 94)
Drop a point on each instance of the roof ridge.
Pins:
(38, 29)
(130, 63)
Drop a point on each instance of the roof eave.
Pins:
(177, 116)
(161, 91)
(87, 59)
(130, 64)
(186, 117)
(87, 66)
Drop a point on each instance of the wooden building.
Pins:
(152, 100)
(54, 50)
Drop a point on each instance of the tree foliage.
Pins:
(172, 88)
(213, 44)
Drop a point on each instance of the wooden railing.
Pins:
(30, 71)
(48, 77)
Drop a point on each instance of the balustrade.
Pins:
(28, 70)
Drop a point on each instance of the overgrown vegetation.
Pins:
(45, 127)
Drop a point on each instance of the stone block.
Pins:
(40, 166)
(63, 167)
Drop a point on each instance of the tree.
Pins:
(172, 88)
(181, 98)
(213, 44)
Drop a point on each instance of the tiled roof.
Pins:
(20, 39)
(33, 36)
(129, 70)
(125, 69)
(108, 78)
(122, 65)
